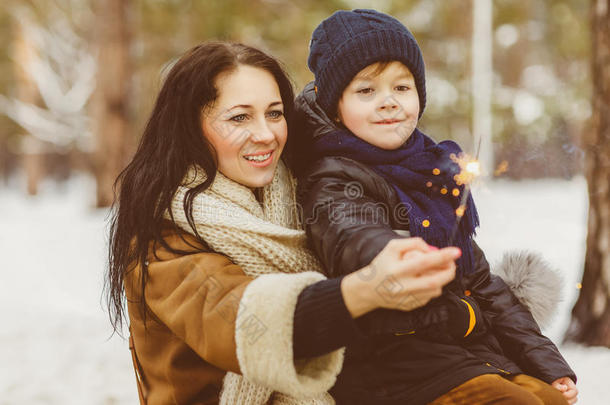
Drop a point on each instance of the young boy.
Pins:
(373, 176)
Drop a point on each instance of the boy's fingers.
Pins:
(573, 392)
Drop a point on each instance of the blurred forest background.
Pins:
(54, 51)
(78, 79)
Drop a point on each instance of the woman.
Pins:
(207, 248)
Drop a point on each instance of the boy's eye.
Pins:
(239, 117)
(275, 114)
(366, 90)
(402, 88)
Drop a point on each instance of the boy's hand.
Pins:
(568, 388)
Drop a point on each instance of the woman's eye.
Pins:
(366, 90)
(276, 114)
(239, 118)
(402, 88)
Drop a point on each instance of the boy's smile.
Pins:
(381, 105)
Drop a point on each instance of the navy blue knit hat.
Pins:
(348, 41)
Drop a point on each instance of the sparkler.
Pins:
(470, 169)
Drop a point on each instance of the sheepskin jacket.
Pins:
(187, 343)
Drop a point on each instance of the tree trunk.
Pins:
(111, 112)
(31, 147)
(590, 322)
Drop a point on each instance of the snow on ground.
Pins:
(54, 339)
(54, 343)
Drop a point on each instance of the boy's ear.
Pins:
(337, 116)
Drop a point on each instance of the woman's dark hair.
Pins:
(172, 141)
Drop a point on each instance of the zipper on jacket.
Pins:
(497, 368)
(404, 333)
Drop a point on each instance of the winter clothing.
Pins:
(539, 290)
(322, 322)
(419, 355)
(188, 344)
(266, 240)
(180, 360)
(492, 389)
(316, 332)
(422, 175)
(348, 41)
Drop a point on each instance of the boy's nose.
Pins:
(389, 103)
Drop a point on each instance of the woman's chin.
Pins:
(258, 180)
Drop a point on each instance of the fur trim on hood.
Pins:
(534, 281)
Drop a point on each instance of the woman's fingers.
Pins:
(406, 274)
(441, 277)
(435, 260)
(417, 279)
(432, 283)
(404, 245)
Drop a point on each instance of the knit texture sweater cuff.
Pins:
(322, 322)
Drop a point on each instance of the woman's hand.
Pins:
(405, 275)
(568, 388)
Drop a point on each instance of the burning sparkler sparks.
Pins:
(470, 169)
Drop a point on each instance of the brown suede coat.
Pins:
(189, 341)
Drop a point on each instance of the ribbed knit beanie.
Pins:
(348, 41)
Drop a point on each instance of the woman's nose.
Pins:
(261, 133)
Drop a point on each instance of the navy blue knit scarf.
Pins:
(422, 173)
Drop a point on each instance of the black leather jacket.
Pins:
(476, 327)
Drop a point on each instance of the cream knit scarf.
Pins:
(262, 238)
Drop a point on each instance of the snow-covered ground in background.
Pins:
(54, 339)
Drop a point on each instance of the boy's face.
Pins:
(381, 109)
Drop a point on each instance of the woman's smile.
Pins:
(262, 159)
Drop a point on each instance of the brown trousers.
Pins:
(494, 389)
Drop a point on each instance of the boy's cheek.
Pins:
(353, 115)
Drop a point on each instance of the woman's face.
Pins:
(246, 125)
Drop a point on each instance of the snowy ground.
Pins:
(54, 339)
